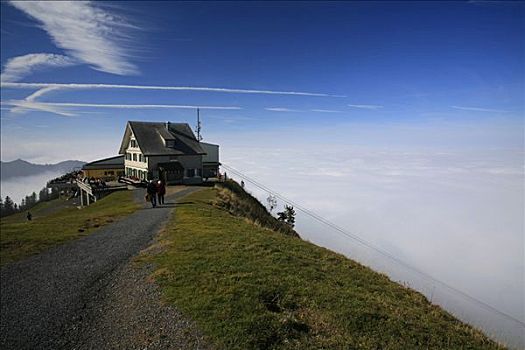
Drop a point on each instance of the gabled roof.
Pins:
(150, 137)
(106, 163)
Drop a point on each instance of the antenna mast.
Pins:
(198, 129)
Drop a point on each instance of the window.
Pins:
(190, 172)
(133, 143)
(144, 159)
(135, 157)
(140, 157)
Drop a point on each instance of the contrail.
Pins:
(134, 106)
(49, 105)
(152, 87)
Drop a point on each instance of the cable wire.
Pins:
(372, 246)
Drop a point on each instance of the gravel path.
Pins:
(127, 313)
(51, 300)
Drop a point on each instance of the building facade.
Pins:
(167, 151)
(210, 161)
(108, 168)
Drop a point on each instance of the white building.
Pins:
(167, 151)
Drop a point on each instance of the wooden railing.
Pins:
(85, 187)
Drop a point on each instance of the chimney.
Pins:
(167, 125)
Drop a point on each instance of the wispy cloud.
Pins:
(325, 110)
(85, 31)
(281, 109)
(62, 108)
(284, 109)
(138, 106)
(45, 88)
(230, 118)
(40, 92)
(152, 87)
(31, 99)
(478, 109)
(21, 106)
(365, 106)
(18, 67)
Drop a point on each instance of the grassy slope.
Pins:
(234, 199)
(20, 238)
(252, 288)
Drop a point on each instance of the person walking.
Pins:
(151, 189)
(161, 191)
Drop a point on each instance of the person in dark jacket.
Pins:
(161, 191)
(152, 193)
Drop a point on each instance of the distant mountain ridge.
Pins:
(20, 168)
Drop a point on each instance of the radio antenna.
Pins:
(198, 128)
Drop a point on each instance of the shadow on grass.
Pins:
(167, 205)
(205, 184)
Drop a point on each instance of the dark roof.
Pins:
(106, 163)
(171, 165)
(150, 137)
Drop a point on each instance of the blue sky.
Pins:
(401, 121)
(393, 61)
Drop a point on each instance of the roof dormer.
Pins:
(167, 137)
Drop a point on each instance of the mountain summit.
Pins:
(20, 167)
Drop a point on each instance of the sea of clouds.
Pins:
(448, 202)
(18, 188)
(444, 196)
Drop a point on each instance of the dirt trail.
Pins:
(85, 294)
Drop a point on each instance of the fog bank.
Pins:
(455, 213)
(18, 188)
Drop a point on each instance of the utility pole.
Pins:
(198, 129)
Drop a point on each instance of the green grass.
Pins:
(41, 209)
(248, 287)
(233, 198)
(20, 238)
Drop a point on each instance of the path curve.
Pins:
(41, 296)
